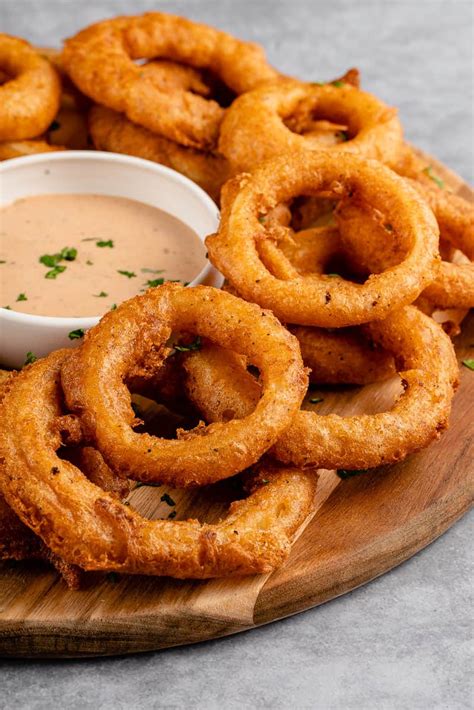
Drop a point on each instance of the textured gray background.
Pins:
(405, 640)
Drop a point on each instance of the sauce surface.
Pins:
(80, 255)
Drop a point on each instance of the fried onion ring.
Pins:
(93, 384)
(92, 529)
(30, 99)
(112, 131)
(254, 127)
(319, 299)
(99, 60)
(18, 542)
(428, 370)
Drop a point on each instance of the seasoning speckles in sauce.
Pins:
(95, 251)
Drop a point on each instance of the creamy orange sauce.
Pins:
(87, 240)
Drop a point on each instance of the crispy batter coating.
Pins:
(91, 528)
(426, 364)
(17, 149)
(18, 542)
(343, 356)
(371, 248)
(315, 299)
(30, 99)
(289, 254)
(286, 115)
(99, 60)
(112, 131)
(93, 382)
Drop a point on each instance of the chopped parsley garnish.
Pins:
(429, 172)
(165, 498)
(30, 357)
(469, 363)
(102, 294)
(128, 274)
(195, 345)
(152, 271)
(69, 254)
(338, 83)
(105, 243)
(334, 275)
(76, 334)
(261, 218)
(49, 259)
(345, 473)
(2, 261)
(89, 262)
(21, 297)
(7, 308)
(316, 400)
(342, 135)
(172, 514)
(54, 126)
(151, 283)
(113, 306)
(54, 272)
(265, 481)
(66, 254)
(318, 83)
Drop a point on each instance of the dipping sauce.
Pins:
(80, 255)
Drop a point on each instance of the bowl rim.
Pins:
(105, 156)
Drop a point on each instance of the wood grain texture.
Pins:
(362, 527)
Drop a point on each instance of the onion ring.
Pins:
(114, 132)
(254, 126)
(99, 60)
(30, 100)
(94, 388)
(427, 367)
(92, 529)
(18, 542)
(318, 299)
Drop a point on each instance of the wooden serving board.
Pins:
(362, 527)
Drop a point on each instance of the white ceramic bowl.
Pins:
(99, 173)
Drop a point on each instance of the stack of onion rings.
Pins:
(112, 131)
(90, 528)
(100, 61)
(222, 388)
(341, 231)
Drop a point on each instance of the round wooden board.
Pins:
(362, 527)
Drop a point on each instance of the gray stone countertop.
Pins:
(403, 641)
